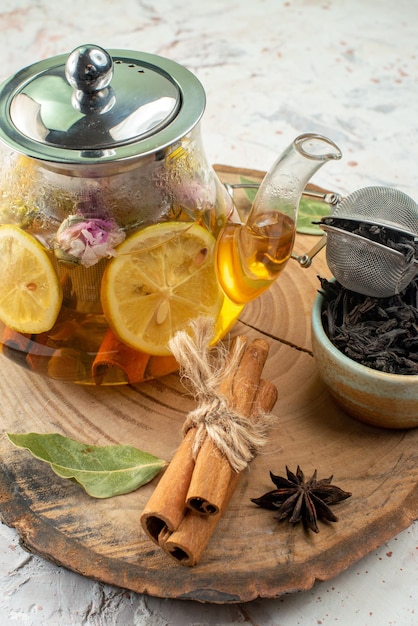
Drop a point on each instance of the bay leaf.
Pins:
(250, 192)
(310, 210)
(103, 471)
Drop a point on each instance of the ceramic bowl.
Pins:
(373, 397)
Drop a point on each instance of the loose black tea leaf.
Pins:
(300, 500)
(380, 333)
(403, 242)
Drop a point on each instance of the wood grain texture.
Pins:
(250, 555)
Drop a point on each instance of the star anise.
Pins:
(302, 501)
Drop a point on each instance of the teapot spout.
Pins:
(251, 256)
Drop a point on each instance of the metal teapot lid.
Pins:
(95, 106)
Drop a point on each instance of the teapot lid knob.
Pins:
(89, 69)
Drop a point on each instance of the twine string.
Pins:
(235, 435)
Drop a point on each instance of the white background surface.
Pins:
(272, 69)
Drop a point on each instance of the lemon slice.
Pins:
(30, 292)
(162, 277)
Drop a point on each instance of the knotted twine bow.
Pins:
(237, 437)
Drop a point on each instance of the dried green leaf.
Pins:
(103, 471)
(310, 210)
(250, 192)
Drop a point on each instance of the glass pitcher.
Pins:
(109, 216)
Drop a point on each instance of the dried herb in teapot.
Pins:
(381, 333)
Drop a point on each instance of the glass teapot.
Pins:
(114, 230)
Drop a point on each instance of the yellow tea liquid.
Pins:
(250, 259)
(81, 348)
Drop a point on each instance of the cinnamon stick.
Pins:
(115, 354)
(29, 350)
(136, 366)
(167, 505)
(203, 501)
(187, 544)
(208, 489)
(16, 341)
(208, 482)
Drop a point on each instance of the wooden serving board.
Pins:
(250, 555)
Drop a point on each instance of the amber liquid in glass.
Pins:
(249, 259)
(81, 349)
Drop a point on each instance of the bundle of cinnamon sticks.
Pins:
(193, 493)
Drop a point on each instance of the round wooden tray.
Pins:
(250, 555)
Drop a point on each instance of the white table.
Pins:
(271, 69)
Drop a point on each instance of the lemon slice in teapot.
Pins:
(30, 292)
(162, 277)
